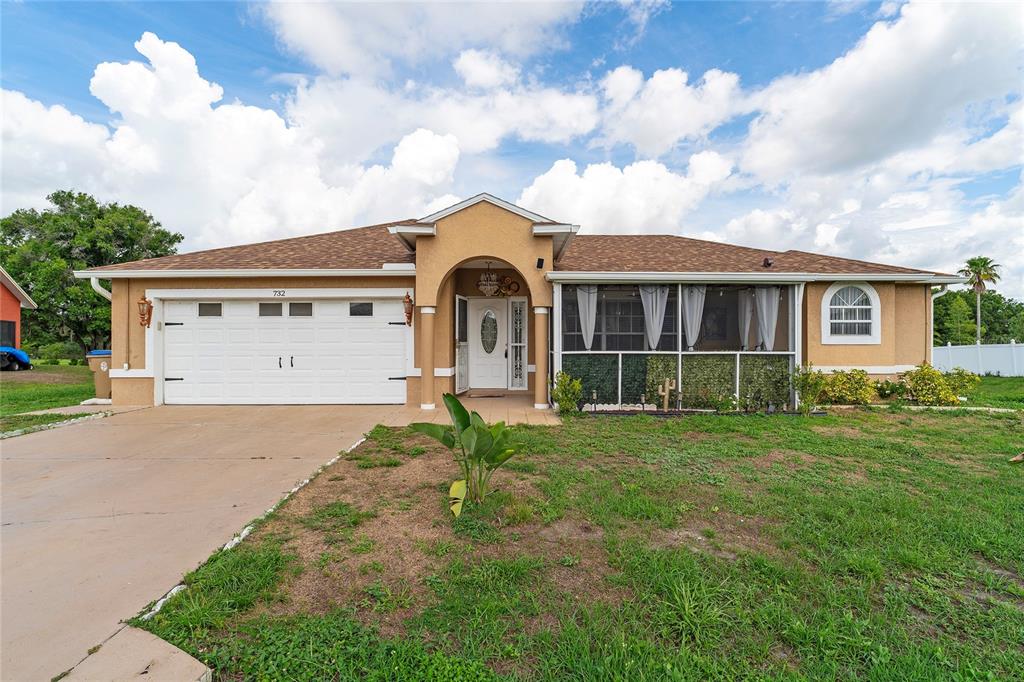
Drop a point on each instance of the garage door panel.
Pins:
(241, 336)
(240, 357)
(240, 309)
(301, 336)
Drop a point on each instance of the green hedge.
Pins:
(643, 374)
(764, 382)
(708, 380)
(598, 372)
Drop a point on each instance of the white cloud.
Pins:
(482, 69)
(903, 84)
(642, 197)
(45, 147)
(654, 116)
(347, 114)
(638, 14)
(220, 173)
(365, 39)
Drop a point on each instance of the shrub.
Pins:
(962, 382)
(567, 393)
(808, 383)
(61, 350)
(928, 386)
(885, 388)
(851, 387)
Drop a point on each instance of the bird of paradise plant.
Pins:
(479, 450)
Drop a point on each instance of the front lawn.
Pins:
(882, 545)
(1000, 392)
(41, 388)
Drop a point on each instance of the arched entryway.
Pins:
(485, 334)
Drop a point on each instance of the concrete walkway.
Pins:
(102, 517)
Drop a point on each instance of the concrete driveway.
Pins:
(102, 517)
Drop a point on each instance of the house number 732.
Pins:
(278, 292)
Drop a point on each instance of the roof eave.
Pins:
(408, 233)
(387, 270)
(569, 276)
(560, 233)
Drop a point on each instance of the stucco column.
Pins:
(540, 357)
(426, 341)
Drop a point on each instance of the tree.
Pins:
(979, 270)
(1017, 327)
(42, 249)
(958, 326)
(998, 312)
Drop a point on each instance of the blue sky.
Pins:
(872, 130)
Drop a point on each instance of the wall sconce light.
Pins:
(145, 311)
(540, 263)
(407, 301)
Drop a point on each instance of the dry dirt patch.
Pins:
(722, 534)
(409, 537)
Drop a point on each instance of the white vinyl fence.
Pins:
(1004, 359)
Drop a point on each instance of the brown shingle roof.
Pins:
(669, 253)
(371, 247)
(358, 248)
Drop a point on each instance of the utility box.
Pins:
(99, 363)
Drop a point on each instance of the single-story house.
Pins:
(12, 299)
(486, 296)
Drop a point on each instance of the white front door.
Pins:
(488, 343)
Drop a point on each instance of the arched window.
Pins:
(850, 314)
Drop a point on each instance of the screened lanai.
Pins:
(719, 343)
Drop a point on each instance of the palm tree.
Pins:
(979, 270)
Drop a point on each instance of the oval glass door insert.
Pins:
(489, 331)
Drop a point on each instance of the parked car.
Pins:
(13, 359)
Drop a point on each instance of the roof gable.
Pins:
(19, 293)
(490, 199)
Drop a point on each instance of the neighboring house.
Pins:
(323, 318)
(12, 299)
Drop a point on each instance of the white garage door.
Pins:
(284, 352)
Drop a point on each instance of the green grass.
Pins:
(1000, 392)
(336, 521)
(384, 447)
(44, 387)
(24, 421)
(869, 545)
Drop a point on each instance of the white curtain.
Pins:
(586, 297)
(767, 300)
(746, 310)
(693, 311)
(655, 301)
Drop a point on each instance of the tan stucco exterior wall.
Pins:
(913, 314)
(128, 337)
(479, 232)
(905, 310)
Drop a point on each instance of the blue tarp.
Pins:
(19, 355)
(97, 353)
